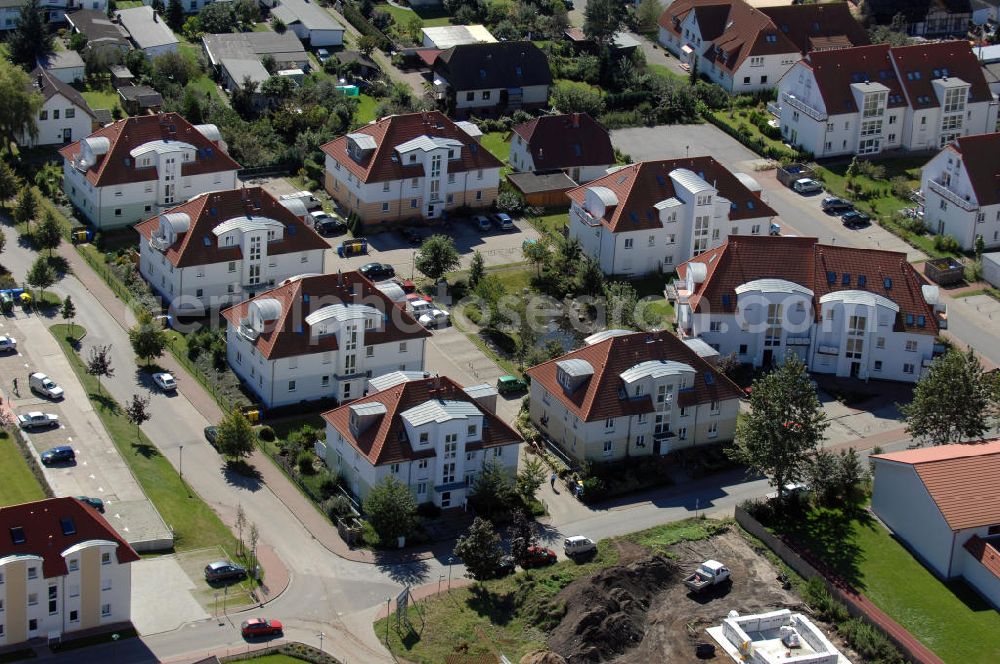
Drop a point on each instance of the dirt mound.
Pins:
(606, 613)
(542, 657)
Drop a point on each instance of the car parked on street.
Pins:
(211, 434)
(61, 454)
(377, 271)
(224, 570)
(836, 205)
(538, 556)
(260, 627)
(37, 420)
(45, 386)
(165, 381)
(96, 503)
(855, 219)
(8, 344)
(435, 318)
(578, 545)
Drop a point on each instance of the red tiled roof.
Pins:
(985, 553)
(130, 133)
(598, 398)
(836, 71)
(378, 165)
(190, 248)
(802, 260)
(566, 141)
(43, 532)
(740, 31)
(979, 154)
(383, 442)
(290, 334)
(960, 478)
(938, 60)
(641, 186)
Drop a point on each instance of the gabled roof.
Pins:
(45, 536)
(960, 478)
(378, 165)
(739, 30)
(511, 64)
(131, 133)
(938, 60)
(208, 211)
(914, 11)
(985, 552)
(803, 261)
(290, 335)
(146, 27)
(309, 14)
(284, 47)
(384, 441)
(980, 157)
(639, 187)
(43, 82)
(598, 397)
(98, 28)
(65, 59)
(566, 141)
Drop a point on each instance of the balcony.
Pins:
(246, 331)
(950, 196)
(802, 107)
(158, 243)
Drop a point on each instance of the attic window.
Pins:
(725, 301)
(17, 535)
(921, 321)
(67, 525)
(909, 319)
(846, 281)
(749, 205)
(128, 161)
(862, 280)
(831, 277)
(577, 149)
(771, 39)
(887, 282)
(660, 180)
(517, 70)
(207, 240)
(709, 378)
(913, 75)
(213, 211)
(474, 148)
(634, 217)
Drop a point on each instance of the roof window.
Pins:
(725, 301)
(862, 280)
(660, 180)
(709, 378)
(921, 321)
(213, 211)
(749, 205)
(517, 70)
(207, 240)
(846, 280)
(887, 282)
(482, 73)
(68, 526)
(909, 319)
(17, 535)
(831, 277)
(634, 217)
(577, 149)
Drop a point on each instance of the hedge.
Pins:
(365, 27)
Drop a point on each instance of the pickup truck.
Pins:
(709, 573)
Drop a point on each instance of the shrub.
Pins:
(900, 187)
(509, 202)
(869, 641)
(305, 463)
(946, 243)
(428, 510)
(266, 434)
(827, 608)
(337, 507)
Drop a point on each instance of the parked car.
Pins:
(578, 545)
(330, 227)
(165, 381)
(211, 433)
(482, 222)
(807, 186)
(8, 344)
(260, 627)
(836, 205)
(855, 219)
(377, 271)
(224, 570)
(322, 55)
(503, 221)
(413, 298)
(419, 307)
(42, 384)
(435, 318)
(508, 384)
(96, 503)
(538, 556)
(37, 420)
(61, 454)
(709, 573)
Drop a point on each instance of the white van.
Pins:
(578, 545)
(42, 384)
(420, 307)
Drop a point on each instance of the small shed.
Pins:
(121, 76)
(139, 99)
(547, 190)
(944, 271)
(359, 63)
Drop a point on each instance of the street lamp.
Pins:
(320, 635)
(450, 561)
(180, 463)
(114, 646)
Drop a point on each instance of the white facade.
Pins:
(59, 121)
(693, 221)
(95, 591)
(340, 374)
(950, 203)
(878, 122)
(119, 205)
(200, 288)
(56, 10)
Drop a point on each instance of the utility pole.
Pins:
(180, 463)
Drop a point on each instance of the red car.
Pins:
(260, 627)
(417, 297)
(538, 556)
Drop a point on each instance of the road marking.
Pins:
(91, 476)
(100, 489)
(117, 515)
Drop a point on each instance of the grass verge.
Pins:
(19, 485)
(194, 523)
(510, 614)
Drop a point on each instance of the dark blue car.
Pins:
(61, 454)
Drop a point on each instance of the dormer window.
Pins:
(425, 438)
(413, 158)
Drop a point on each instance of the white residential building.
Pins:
(941, 503)
(413, 166)
(310, 22)
(575, 144)
(628, 394)
(63, 569)
(960, 193)
(870, 99)
(220, 248)
(67, 66)
(64, 115)
(320, 337)
(148, 30)
(493, 77)
(135, 168)
(54, 10)
(652, 216)
(745, 48)
(851, 312)
(428, 433)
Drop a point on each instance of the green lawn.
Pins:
(511, 614)
(665, 71)
(366, 109)
(106, 98)
(431, 17)
(738, 118)
(19, 484)
(498, 144)
(194, 523)
(950, 619)
(262, 27)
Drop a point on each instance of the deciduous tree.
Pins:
(390, 509)
(148, 337)
(137, 411)
(530, 478)
(784, 426)
(480, 550)
(437, 256)
(603, 19)
(99, 363)
(477, 269)
(522, 535)
(953, 401)
(41, 275)
(236, 438)
(538, 253)
(493, 491)
(47, 235)
(621, 302)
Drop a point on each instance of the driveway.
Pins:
(162, 596)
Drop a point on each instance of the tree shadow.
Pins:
(407, 573)
(59, 264)
(827, 537)
(498, 607)
(105, 402)
(240, 473)
(145, 450)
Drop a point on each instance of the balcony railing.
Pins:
(950, 196)
(158, 243)
(246, 331)
(798, 105)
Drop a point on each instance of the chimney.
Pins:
(576, 120)
(340, 278)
